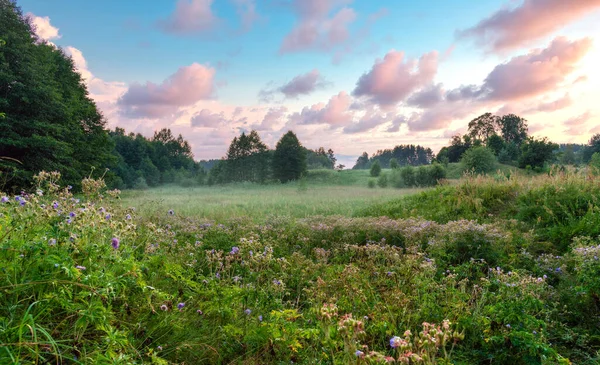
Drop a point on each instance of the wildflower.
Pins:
(51, 241)
(56, 265)
(107, 217)
(79, 267)
(558, 270)
(39, 192)
(276, 282)
(115, 243)
(508, 326)
(247, 311)
(171, 212)
(395, 341)
(260, 318)
(389, 273)
(236, 279)
(69, 221)
(55, 205)
(22, 202)
(4, 199)
(180, 306)
(69, 187)
(535, 332)
(159, 348)
(359, 353)
(128, 217)
(72, 214)
(218, 276)
(199, 312)
(234, 250)
(164, 307)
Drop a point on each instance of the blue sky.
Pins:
(118, 44)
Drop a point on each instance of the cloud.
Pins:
(207, 119)
(273, 118)
(508, 28)
(427, 97)
(190, 17)
(300, 85)
(550, 106)
(315, 29)
(184, 88)
(246, 9)
(578, 120)
(370, 120)
(335, 113)
(42, 27)
(392, 79)
(397, 122)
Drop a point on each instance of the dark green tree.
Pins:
(289, 159)
(513, 128)
(394, 163)
(536, 152)
(375, 169)
(495, 143)
(483, 127)
(50, 122)
(592, 147)
(479, 160)
(362, 162)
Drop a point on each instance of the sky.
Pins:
(352, 75)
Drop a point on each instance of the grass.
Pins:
(258, 202)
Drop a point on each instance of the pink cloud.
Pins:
(537, 72)
(303, 84)
(533, 19)
(315, 29)
(578, 120)
(370, 120)
(190, 17)
(185, 87)
(335, 113)
(550, 106)
(427, 97)
(207, 119)
(42, 27)
(392, 79)
(272, 119)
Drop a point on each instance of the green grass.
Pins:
(298, 200)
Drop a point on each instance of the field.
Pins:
(322, 193)
(486, 270)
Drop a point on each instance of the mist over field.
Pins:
(299, 182)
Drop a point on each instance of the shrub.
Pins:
(375, 169)
(595, 163)
(408, 176)
(140, 184)
(371, 184)
(479, 160)
(394, 164)
(536, 152)
(382, 181)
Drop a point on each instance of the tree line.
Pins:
(402, 155)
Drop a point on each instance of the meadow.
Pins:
(501, 269)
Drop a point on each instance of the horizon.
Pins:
(347, 75)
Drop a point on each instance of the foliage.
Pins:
(479, 160)
(422, 176)
(495, 143)
(595, 163)
(484, 126)
(536, 152)
(49, 121)
(402, 154)
(513, 128)
(592, 147)
(289, 159)
(375, 169)
(87, 281)
(394, 163)
(382, 181)
(320, 159)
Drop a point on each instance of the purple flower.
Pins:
(248, 311)
(359, 353)
(180, 306)
(107, 217)
(79, 267)
(69, 187)
(22, 202)
(128, 217)
(115, 243)
(260, 318)
(51, 241)
(199, 312)
(508, 326)
(55, 205)
(171, 212)
(4, 199)
(18, 198)
(72, 214)
(234, 250)
(159, 348)
(69, 221)
(395, 342)
(164, 307)
(218, 276)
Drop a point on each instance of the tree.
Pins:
(375, 169)
(483, 127)
(495, 143)
(480, 160)
(458, 146)
(514, 129)
(592, 147)
(289, 159)
(394, 163)
(49, 123)
(248, 159)
(361, 162)
(536, 152)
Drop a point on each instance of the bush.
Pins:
(408, 176)
(371, 184)
(375, 169)
(382, 182)
(479, 160)
(140, 184)
(536, 152)
(394, 164)
(595, 164)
